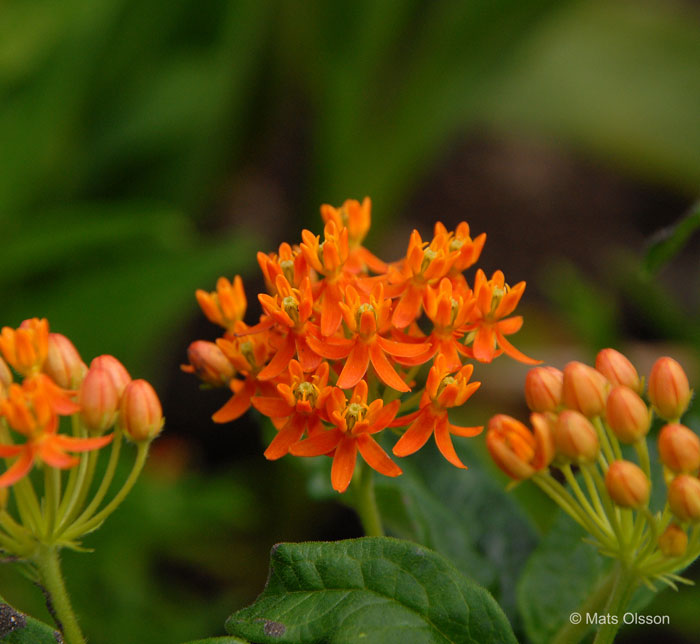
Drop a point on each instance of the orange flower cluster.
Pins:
(343, 333)
(53, 381)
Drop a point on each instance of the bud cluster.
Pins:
(588, 415)
(43, 380)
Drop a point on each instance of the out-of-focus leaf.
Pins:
(18, 628)
(616, 79)
(374, 588)
(669, 242)
(220, 640)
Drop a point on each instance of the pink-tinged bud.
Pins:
(141, 413)
(63, 362)
(543, 388)
(584, 389)
(627, 415)
(679, 448)
(209, 363)
(684, 497)
(99, 400)
(618, 369)
(117, 371)
(674, 541)
(669, 390)
(576, 438)
(515, 449)
(627, 485)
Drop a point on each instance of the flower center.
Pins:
(354, 413)
(305, 391)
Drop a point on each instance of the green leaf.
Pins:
(219, 640)
(18, 628)
(374, 588)
(670, 241)
(557, 578)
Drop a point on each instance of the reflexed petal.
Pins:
(73, 444)
(308, 359)
(510, 325)
(272, 407)
(384, 417)
(387, 374)
(344, 463)
(376, 457)
(337, 349)
(402, 349)
(444, 443)
(18, 469)
(279, 363)
(286, 437)
(54, 456)
(355, 366)
(408, 307)
(331, 315)
(467, 432)
(416, 435)
(318, 444)
(10, 450)
(402, 421)
(484, 344)
(237, 405)
(510, 350)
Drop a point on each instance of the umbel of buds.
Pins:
(586, 415)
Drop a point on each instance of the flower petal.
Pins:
(376, 457)
(355, 366)
(318, 444)
(337, 349)
(18, 469)
(279, 363)
(271, 406)
(387, 374)
(444, 443)
(416, 435)
(403, 349)
(484, 346)
(467, 432)
(285, 438)
(511, 351)
(344, 463)
(237, 405)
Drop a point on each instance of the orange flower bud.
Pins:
(576, 438)
(627, 414)
(684, 497)
(584, 389)
(515, 449)
(674, 541)
(669, 390)
(5, 378)
(679, 448)
(99, 400)
(117, 371)
(618, 369)
(63, 362)
(141, 414)
(627, 485)
(209, 363)
(543, 388)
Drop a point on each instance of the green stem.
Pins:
(625, 583)
(643, 455)
(604, 439)
(583, 500)
(49, 567)
(52, 491)
(86, 524)
(571, 633)
(366, 503)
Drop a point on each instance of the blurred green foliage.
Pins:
(125, 126)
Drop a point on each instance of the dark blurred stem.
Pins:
(366, 502)
(625, 583)
(49, 567)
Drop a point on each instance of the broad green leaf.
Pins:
(670, 241)
(557, 578)
(219, 640)
(372, 589)
(18, 628)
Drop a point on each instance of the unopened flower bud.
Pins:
(117, 371)
(627, 414)
(141, 414)
(669, 390)
(5, 379)
(674, 541)
(63, 362)
(618, 369)
(576, 438)
(99, 400)
(209, 363)
(515, 449)
(684, 497)
(627, 485)
(679, 448)
(543, 388)
(584, 389)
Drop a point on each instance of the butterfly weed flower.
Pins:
(349, 345)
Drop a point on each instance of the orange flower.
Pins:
(425, 264)
(468, 249)
(494, 301)
(299, 407)
(442, 391)
(354, 422)
(328, 259)
(27, 347)
(356, 218)
(30, 411)
(227, 305)
(366, 320)
(289, 311)
(290, 263)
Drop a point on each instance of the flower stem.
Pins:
(49, 567)
(366, 503)
(625, 583)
